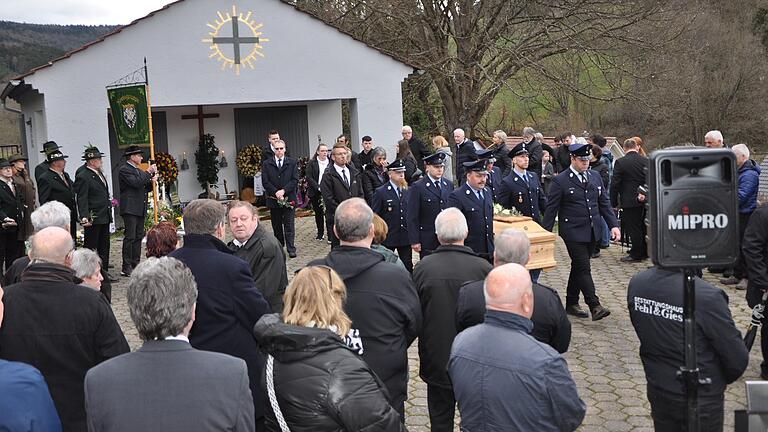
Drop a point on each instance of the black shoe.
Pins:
(112, 278)
(716, 269)
(125, 273)
(599, 312)
(111, 266)
(319, 237)
(629, 259)
(595, 254)
(576, 311)
(605, 246)
(292, 254)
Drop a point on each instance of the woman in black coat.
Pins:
(313, 380)
(412, 171)
(375, 173)
(598, 163)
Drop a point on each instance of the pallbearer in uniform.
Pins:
(476, 202)
(494, 173)
(521, 188)
(426, 198)
(390, 202)
(577, 197)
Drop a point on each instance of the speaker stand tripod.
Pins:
(690, 370)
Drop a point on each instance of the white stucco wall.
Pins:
(302, 63)
(323, 119)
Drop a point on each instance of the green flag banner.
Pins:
(129, 114)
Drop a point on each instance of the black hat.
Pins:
(396, 165)
(49, 146)
(435, 159)
(92, 152)
(54, 156)
(518, 150)
(16, 157)
(486, 155)
(580, 150)
(4, 163)
(477, 166)
(132, 150)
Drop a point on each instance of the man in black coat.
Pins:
(418, 148)
(280, 177)
(11, 213)
(134, 184)
(315, 170)
(55, 185)
(535, 150)
(366, 154)
(550, 323)
(390, 201)
(562, 154)
(353, 157)
(655, 303)
(465, 150)
(521, 188)
(48, 147)
(228, 302)
(381, 300)
(340, 182)
(94, 204)
(79, 329)
(260, 249)
(438, 278)
(754, 246)
(426, 198)
(476, 202)
(629, 172)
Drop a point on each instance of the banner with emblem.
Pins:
(130, 117)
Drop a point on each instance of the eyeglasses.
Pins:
(279, 148)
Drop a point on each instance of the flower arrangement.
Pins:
(499, 210)
(165, 213)
(166, 167)
(248, 160)
(301, 193)
(283, 202)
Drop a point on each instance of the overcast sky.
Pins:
(77, 11)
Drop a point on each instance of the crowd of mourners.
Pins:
(230, 344)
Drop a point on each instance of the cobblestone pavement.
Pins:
(603, 356)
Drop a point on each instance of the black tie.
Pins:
(344, 177)
(583, 177)
(279, 163)
(437, 185)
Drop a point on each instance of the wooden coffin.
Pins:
(542, 241)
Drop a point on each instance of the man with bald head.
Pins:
(502, 355)
(79, 330)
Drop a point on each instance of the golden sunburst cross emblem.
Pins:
(253, 39)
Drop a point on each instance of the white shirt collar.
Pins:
(432, 179)
(237, 242)
(576, 172)
(180, 337)
(520, 173)
(339, 169)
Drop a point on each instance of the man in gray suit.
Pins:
(167, 385)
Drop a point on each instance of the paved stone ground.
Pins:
(603, 356)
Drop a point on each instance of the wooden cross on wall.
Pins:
(200, 118)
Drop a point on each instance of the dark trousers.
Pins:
(740, 267)
(134, 233)
(580, 278)
(405, 253)
(317, 207)
(10, 246)
(97, 239)
(331, 235)
(755, 296)
(284, 226)
(634, 226)
(442, 408)
(668, 411)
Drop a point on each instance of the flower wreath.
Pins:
(167, 167)
(249, 160)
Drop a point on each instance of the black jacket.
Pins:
(465, 153)
(11, 204)
(93, 199)
(265, 256)
(438, 278)
(535, 153)
(384, 308)
(51, 187)
(61, 328)
(754, 246)
(134, 185)
(313, 176)
(655, 298)
(419, 150)
(372, 181)
(562, 158)
(628, 173)
(274, 179)
(412, 171)
(335, 191)
(503, 161)
(40, 169)
(321, 384)
(601, 167)
(550, 323)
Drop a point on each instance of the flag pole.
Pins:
(151, 140)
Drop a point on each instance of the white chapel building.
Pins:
(293, 80)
